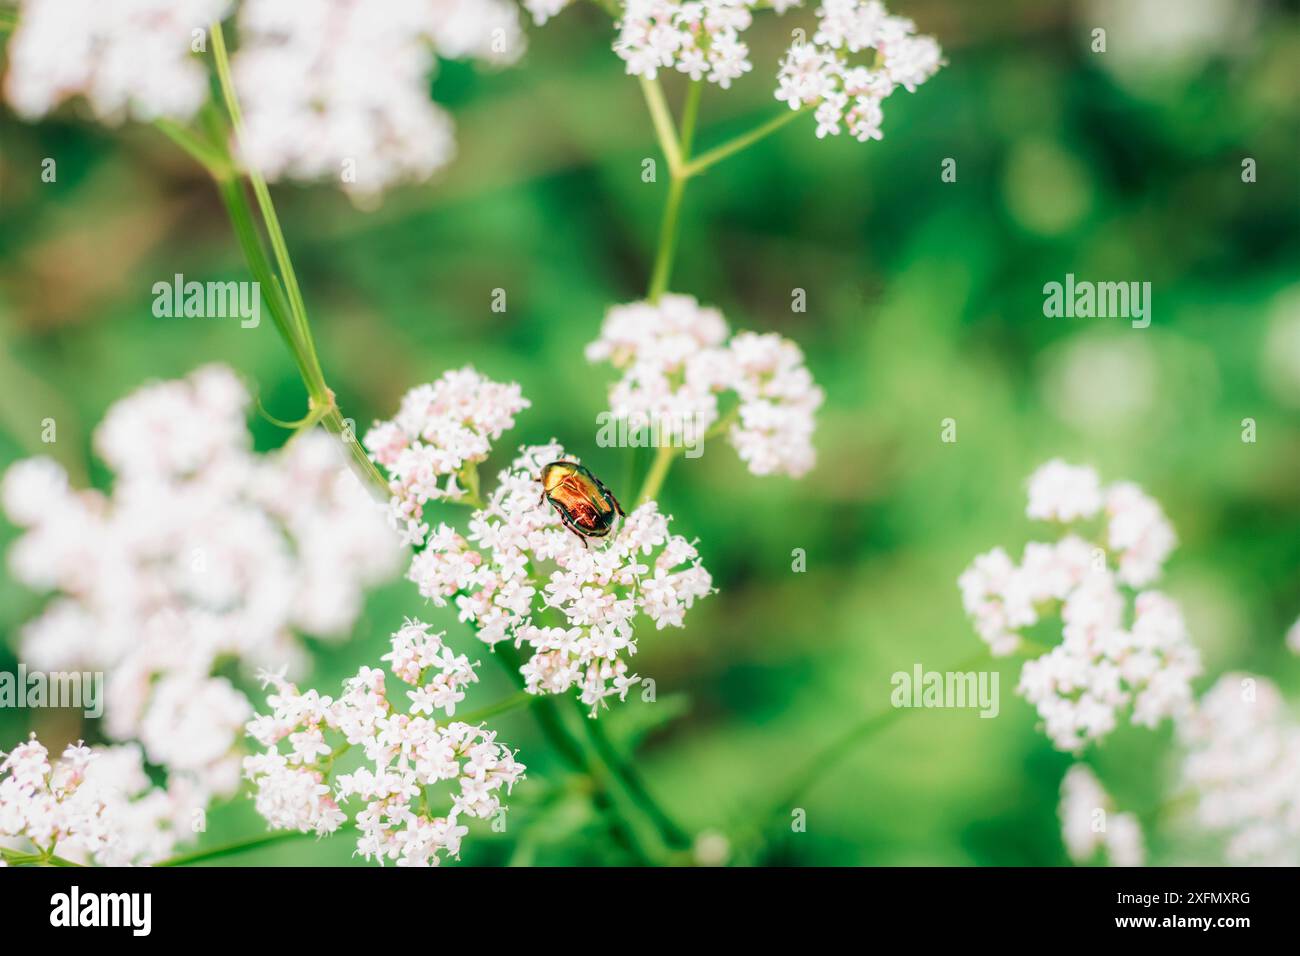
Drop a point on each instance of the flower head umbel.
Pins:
(91, 805)
(519, 575)
(338, 90)
(203, 552)
(128, 58)
(820, 74)
(1109, 658)
(678, 357)
(440, 430)
(1089, 823)
(700, 38)
(1242, 769)
(406, 749)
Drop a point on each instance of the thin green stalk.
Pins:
(662, 119)
(669, 831)
(654, 479)
(552, 727)
(211, 158)
(250, 243)
(831, 755)
(340, 427)
(239, 846)
(690, 112)
(677, 151)
(667, 247)
(21, 858)
(316, 384)
(518, 699)
(718, 153)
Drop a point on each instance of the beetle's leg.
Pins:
(568, 523)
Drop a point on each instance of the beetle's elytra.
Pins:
(583, 503)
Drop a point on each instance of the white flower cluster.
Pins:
(203, 552)
(439, 430)
(819, 74)
(338, 90)
(1089, 822)
(676, 359)
(1243, 770)
(406, 750)
(127, 58)
(700, 38)
(521, 576)
(91, 805)
(1100, 666)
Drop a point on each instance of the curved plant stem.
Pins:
(669, 831)
(239, 846)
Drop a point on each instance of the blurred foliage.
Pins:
(924, 302)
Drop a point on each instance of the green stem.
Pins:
(250, 243)
(690, 111)
(240, 846)
(552, 727)
(284, 299)
(667, 248)
(316, 382)
(669, 831)
(212, 158)
(662, 119)
(654, 479)
(719, 153)
(518, 699)
(829, 756)
(677, 151)
(21, 858)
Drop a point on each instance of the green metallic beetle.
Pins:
(586, 506)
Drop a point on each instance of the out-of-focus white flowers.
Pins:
(1242, 768)
(700, 38)
(819, 74)
(127, 58)
(521, 576)
(203, 552)
(90, 805)
(1089, 822)
(1102, 665)
(440, 430)
(406, 750)
(676, 359)
(332, 90)
(338, 90)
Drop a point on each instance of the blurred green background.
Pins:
(924, 303)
